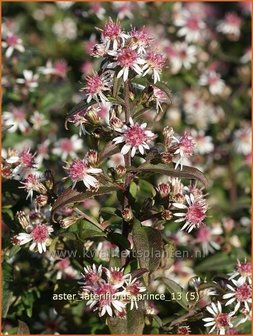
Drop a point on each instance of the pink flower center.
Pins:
(127, 57)
(60, 67)
(111, 30)
(222, 320)
(91, 277)
(193, 23)
(26, 159)
(116, 276)
(66, 145)
(135, 135)
(244, 269)
(195, 213)
(62, 264)
(156, 61)
(186, 145)
(233, 19)
(12, 40)
(203, 234)
(106, 292)
(40, 233)
(77, 170)
(183, 330)
(94, 84)
(134, 288)
(243, 292)
(19, 114)
(212, 80)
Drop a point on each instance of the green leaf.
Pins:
(217, 262)
(175, 289)
(187, 172)
(118, 240)
(148, 247)
(23, 328)
(87, 230)
(133, 324)
(70, 196)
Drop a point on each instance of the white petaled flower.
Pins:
(38, 237)
(31, 184)
(184, 147)
(127, 59)
(50, 323)
(96, 85)
(241, 294)
(16, 120)
(133, 288)
(135, 137)
(116, 276)
(79, 170)
(219, 321)
(153, 63)
(192, 26)
(112, 35)
(30, 80)
(92, 275)
(140, 40)
(11, 43)
(181, 55)
(214, 82)
(204, 144)
(243, 270)
(68, 147)
(243, 140)
(195, 212)
(38, 120)
(124, 9)
(206, 237)
(97, 9)
(65, 29)
(231, 25)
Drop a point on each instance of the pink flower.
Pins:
(11, 43)
(127, 59)
(96, 84)
(30, 80)
(219, 321)
(243, 270)
(112, 34)
(241, 293)
(31, 184)
(184, 148)
(135, 137)
(141, 39)
(68, 147)
(38, 236)
(230, 26)
(78, 170)
(154, 64)
(192, 27)
(16, 120)
(195, 212)
(214, 82)
(206, 237)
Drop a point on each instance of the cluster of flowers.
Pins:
(110, 290)
(238, 296)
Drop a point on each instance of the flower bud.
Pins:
(49, 180)
(127, 214)
(121, 171)
(116, 123)
(179, 198)
(163, 189)
(41, 200)
(68, 221)
(23, 219)
(92, 116)
(92, 157)
(167, 215)
(168, 134)
(166, 157)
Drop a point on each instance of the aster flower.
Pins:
(66, 147)
(79, 170)
(31, 184)
(240, 293)
(153, 63)
(195, 212)
(124, 9)
(191, 26)
(112, 35)
(219, 321)
(37, 235)
(30, 80)
(204, 144)
(16, 120)
(183, 330)
(96, 85)
(135, 137)
(58, 68)
(181, 55)
(140, 40)
(12, 42)
(214, 82)
(242, 140)
(38, 120)
(230, 25)
(127, 59)
(133, 288)
(51, 322)
(243, 270)
(206, 237)
(116, 276)
(97, 9)
(184, 147)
